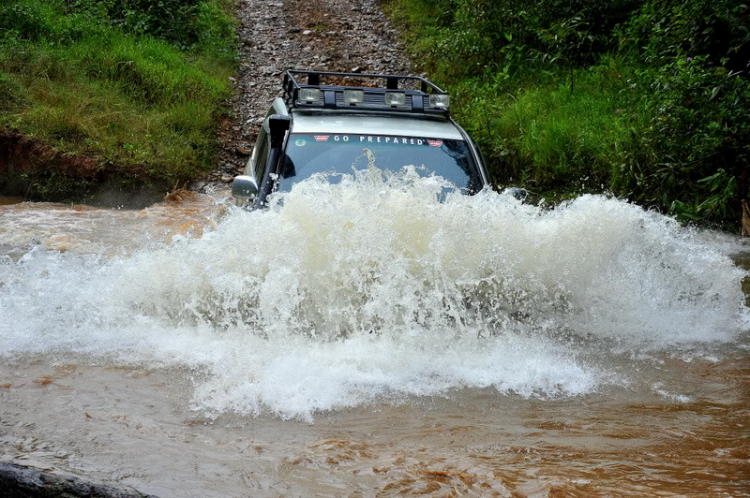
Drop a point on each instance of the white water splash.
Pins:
(371, 288)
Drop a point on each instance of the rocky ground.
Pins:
(275, 35)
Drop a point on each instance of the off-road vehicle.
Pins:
(338, 121)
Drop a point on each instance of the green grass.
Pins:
(541, 136)
(140, 104)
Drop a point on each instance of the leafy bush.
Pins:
(472, 37)
(698, 121)
(718, 30)
(698, 56)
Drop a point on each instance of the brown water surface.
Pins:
(134, 427)
(674, 424)
(89, 229)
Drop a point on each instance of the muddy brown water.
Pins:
(134, 427)
(620, 419)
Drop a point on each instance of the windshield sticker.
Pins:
(300, 142)
(379, 139)
(391, 140)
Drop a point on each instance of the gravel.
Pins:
(325, 35)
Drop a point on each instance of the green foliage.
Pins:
(140, 84)
(184, 23)
(198, 25)
(469, 38)
(215, 30)
(648, 99)
(698, 121)
(544, 137)
(718, 30)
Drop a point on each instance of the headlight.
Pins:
(354, 96)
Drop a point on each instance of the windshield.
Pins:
(308, 153)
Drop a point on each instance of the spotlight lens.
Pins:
(309, 95)
(354, 96)
(395, 99)
(440, 101)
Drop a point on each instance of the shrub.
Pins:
(700, 133)
(663, 29)
(472, 37)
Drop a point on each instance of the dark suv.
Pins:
(357, 119)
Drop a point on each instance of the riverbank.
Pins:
(155, 137)
(129, 93)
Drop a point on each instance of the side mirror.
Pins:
(244, 188)
(278, 125)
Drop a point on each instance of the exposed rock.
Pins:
(18, 481)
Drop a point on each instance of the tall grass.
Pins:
(542, 136)
(73, 77)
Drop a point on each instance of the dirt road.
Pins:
(275, 35)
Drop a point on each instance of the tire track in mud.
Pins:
(276, 35)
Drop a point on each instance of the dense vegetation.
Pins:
(647, 99)
(138, 84)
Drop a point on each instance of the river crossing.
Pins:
(363, 339)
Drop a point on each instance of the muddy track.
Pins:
(275, 35)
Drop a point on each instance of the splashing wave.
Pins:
(369, 288)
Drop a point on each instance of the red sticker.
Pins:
(435, 143)
(321, 138)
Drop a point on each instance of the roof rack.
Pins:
(427, 99)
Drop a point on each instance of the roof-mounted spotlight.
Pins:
(353, 97)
